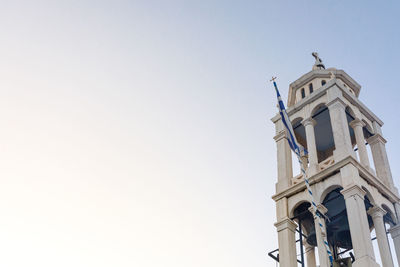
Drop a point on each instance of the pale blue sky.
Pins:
(137, 133)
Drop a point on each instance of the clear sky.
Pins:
(138, 133)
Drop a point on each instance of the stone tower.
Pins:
(341, 137)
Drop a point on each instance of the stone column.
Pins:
(340, 128)
(284, 161)
(358, 125)
(322, 253)
(311, 146)
(287, 242)
(359, 228)
(383, 242)
(310, 255)
(381, 162)
(395, 233)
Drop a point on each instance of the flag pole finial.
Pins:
(273, 79)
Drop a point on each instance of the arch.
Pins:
(350, 115)
(367, 126)
(368, 195)
(323, 82)
(296, 121)
(390, 216)
(303, 93)
(318, 108)
(299, 131)
(323, 132)
(295, 206)
(328, 190)
(367, 130)
(310, 87)
(350, 112)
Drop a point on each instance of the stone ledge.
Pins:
(324, 174)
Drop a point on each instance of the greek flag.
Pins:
(297, 150)
(290, 136)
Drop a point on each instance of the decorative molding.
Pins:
(375, 139)
(356, 122)
(309, 121)
(335, 168)
(337, 102)
(281, 135)
(286, 224)
(376, 211)
(353, 190)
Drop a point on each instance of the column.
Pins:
(383, 243)
(359, 228)
(287, 242)
(310, 255)
(311, 146)
(340, 128)
(395, 233)
(358, 125)
(284, 161)
(381, 162)
(322, 253)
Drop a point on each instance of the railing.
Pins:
(326, 163)
(321, 166)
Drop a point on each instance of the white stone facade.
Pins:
(332, 110)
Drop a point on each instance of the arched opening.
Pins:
(368, 132)
(303, 93)
(338, 229)
(306, 235)
(323, 82)
(310, 87)
(350, 116)
(323, 133)
(389, 217)
(303, 217)
(300, 132)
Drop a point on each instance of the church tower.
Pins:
(349, 173)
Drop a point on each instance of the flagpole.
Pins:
(293, 145)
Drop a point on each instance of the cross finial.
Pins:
(318, 62)
(273, 79)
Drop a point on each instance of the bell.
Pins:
(305, 218)
(308, 225)
(345, 262)
(312, 238)
(337, 227)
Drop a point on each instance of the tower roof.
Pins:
(319, 71)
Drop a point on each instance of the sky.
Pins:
(138, 133)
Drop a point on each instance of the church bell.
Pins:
(336, 223)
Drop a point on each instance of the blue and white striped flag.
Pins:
(290, 136)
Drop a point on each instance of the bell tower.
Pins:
(348, 171)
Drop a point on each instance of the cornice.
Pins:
(326, 173)
(320, 92)
(376, 138)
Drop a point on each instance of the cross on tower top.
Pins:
(318, 65)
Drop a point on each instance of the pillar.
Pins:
(395, 233)
(358, 125)
(381, 162)
(320, 235)
(284, 161)
(340, 128)
(310, 255)
(359, 228)
(311, 146)
(383, 242)
(287, 242)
